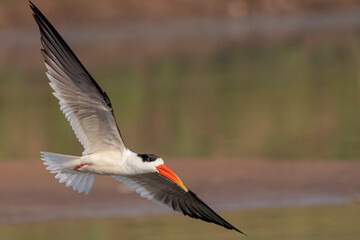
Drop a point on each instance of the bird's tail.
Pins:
(63, 165)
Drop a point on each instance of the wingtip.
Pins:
(32, 5)
(231, 227)
(34, 10)
(222, 221)
(234, 228)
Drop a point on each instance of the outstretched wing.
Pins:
(161, 190)
(84, 103)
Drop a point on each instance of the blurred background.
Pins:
(254, 103)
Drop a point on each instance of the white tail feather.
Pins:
(64, 165)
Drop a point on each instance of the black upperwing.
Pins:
(165, 192)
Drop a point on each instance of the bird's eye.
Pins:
(148, 157)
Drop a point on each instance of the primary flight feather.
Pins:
(91, 116)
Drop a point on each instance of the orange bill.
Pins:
(166, 172)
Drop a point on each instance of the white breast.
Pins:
(104, 163)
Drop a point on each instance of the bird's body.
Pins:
(89, 111)
(113, 163)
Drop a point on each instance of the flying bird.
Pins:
(88, 109)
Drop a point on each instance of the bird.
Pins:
(90, 113)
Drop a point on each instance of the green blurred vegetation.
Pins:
(289, 100)
(298, 223)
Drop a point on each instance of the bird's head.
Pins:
(157, 165)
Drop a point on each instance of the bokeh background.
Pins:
(221, 83)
